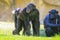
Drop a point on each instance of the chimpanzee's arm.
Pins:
(46, 22)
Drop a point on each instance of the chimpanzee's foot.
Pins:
(36, 34)
(50, 35)
(15, 33)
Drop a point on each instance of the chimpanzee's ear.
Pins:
(57, 12)
(49, 11)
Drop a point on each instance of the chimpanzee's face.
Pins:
(52, 16)
(29, 8)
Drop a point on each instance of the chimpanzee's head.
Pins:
(30, 7)
(53, 13)
(18, 10)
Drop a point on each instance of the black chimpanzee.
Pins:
(34, 18)
(16, 19)
(21, 20)
(52, 23)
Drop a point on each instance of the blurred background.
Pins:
(6, 7)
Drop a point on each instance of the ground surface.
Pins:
(6, 29)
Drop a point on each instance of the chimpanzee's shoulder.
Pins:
(24, 9)
(36, 10)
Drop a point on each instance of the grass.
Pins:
(6, 34)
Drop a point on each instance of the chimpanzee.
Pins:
(21, 20)
(34, 18)
(52, 23)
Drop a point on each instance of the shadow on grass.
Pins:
(42, 33)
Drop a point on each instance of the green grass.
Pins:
(10, 37)
(6, 34)
(16, 37)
